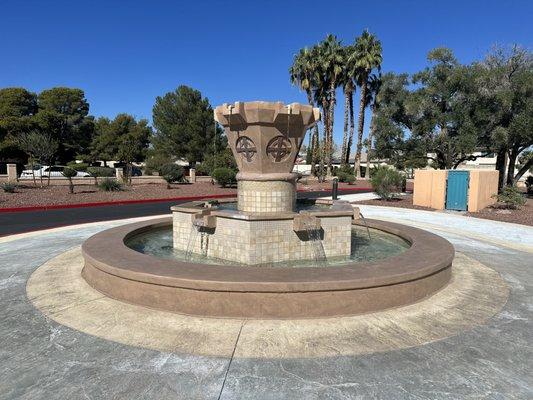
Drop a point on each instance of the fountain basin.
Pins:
(267, 292)
(254, 238)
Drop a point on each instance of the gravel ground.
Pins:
(522, 216)
(28, 195)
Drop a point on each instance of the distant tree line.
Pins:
(448, 111)
(441, 115)
(54, 127)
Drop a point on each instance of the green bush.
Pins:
(82, 167)
(110, 185)
(346, 169)
(224, 176)
(8, 187)
(101, 172)
(155, 163)
(223, 159)
(511, 197)
(386, 182)
(346, 177)
(172, 173)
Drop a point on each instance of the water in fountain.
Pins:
(313, 234)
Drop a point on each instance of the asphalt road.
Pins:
(27, 221)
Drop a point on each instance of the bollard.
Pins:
(12, 172)
(119, 174)
(192, 175)
(335, 189)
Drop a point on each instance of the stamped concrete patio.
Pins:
(58, 344)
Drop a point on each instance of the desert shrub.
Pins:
(70, 173)
(8, 187)
(110, 185)
(223, 159)
(346, 177)
(386, 182)
(100, 172)
(155, 162)
(224, 176)
(510, 197)
(82, 167)
(172, 173)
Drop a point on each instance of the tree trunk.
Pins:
(513, 155)
(352, 129)
(360, 126)
(32, 166)
(370, 138)
(523, 170)
(345, 135)
(314, 138)
(314, 154)
(70, 186)
(330, 123)
(325, 141)
(501, 159)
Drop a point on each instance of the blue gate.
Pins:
(457, 190)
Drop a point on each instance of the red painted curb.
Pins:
(119, 202)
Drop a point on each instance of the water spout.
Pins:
(366, 225)
(316, 243)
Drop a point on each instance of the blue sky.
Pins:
(125, 53)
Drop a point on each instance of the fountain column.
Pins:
(265, 139)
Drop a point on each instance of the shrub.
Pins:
(386, 182)
(100, 172)
(346, 169)
(511, 197)
(346, 177)
(155, 163)
(8, 187)
(224, 176)
(172, 173)
(223, 159)
(110, 185)
(82, 167)
(70, 173)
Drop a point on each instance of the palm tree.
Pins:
(374, 85)
(349, 78)
(302, 73)
(331, 62)
(366, 57)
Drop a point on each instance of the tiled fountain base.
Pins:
(263, 241)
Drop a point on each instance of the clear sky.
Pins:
(125, 53)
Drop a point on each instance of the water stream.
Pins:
(366, 225)
(316, 243)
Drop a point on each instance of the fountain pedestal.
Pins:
(266, 228)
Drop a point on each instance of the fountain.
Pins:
(266, 255)
(266, 228)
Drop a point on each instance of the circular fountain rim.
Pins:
(228, 291)
(107, 251)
